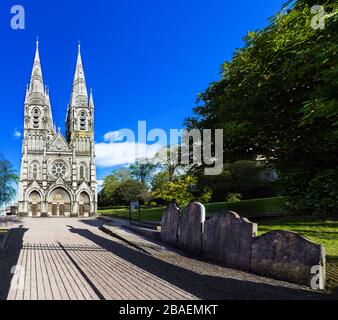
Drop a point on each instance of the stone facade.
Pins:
(58, 174)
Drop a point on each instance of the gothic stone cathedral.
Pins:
(58, 175)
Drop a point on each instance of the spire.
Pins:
(36, 87)
(91, 100)
(49, 107)
(79, 91)
(27, 94)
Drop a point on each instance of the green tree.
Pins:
(179, 191)
(159, 179)
(143, 170)
(132, 190)
(169, 160)
(244, 177)
(108, 195)
(122, 174)
(278, 99)
(8, 178)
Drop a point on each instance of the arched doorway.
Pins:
(34, 204)
(59, 203)
(84, 204)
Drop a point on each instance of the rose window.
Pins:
(59, 169)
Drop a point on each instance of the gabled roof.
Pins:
(59, 144)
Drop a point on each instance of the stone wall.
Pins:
(231, 240)
(287, 256)
(191, 228)
(227, 239)
(170, 224)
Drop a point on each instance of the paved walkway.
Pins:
(58, 261)
(71, 259)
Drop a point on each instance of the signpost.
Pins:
(134, 206)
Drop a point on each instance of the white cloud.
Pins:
(112, 136)
(16, 134)
(111, 152)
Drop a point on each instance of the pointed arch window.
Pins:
(83, 121)
(35, 171)
(36, 118)
(82, 172)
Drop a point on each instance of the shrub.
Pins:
(234, 197)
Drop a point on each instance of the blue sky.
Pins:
(145, 60)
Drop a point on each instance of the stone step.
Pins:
(147, 225)
(149, 233)
(134, 239)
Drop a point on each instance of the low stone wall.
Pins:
(191, 228)
(231, 240)
(287, 256)
(170, 224)
(227, 239)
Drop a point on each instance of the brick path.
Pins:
(55, 262)
(71, 259)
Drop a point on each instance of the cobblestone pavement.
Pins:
(71, 259)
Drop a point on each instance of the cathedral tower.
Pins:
(58, 175)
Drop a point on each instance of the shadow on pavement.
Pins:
(10, 259)
(199, 285)
(9, 221)
(92, 222)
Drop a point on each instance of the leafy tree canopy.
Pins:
(178, 191)
(143, 170)
(8, 178)
(278, 99)
(132, 190)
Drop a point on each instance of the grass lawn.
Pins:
(265, 206)
(150, 214)
(247, 208)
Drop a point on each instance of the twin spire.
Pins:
(36, 93)
(36, 90)
(79, 91)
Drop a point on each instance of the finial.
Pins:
(79, 45)
(59, 129)
(37, 42)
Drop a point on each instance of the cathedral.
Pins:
(58, 173)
